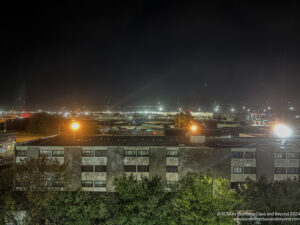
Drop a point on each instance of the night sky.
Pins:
(72, 53)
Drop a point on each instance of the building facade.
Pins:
(94, 162)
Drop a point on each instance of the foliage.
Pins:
(265, 196)
(200, 197)
(141, 202)
(76, 208)
(43, 123)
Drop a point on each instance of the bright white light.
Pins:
(160, 108)
(282, 131)
(86, 113)
(244, 107)
(248, 110)
(232, 109)
(217, 108)
(199, 109)
(292, 108)
(269, 108)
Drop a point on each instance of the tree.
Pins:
(43, 123)
(76, 208)
(29, 186)
(199, 198)
(140, 202)
(268, 197)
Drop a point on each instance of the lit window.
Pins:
(130, 153)
(100, 153)
(58, 153)
(87, 183)
(99, 183)
(172, 153)
(46, 153)
(143, 153)
(237, 170)
(87, 153)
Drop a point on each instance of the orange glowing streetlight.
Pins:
(75, 126)
(194, 128)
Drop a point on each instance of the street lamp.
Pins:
(75, 126)
(194, 128)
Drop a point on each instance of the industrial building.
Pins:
(94, 161)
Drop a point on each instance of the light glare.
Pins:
(282, 130)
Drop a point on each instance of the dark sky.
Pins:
(140, 52)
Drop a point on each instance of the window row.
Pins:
(172, 153)
(52, 153)
(136, 153)
(241, 155)
(94, 153)
(289, 170)
(243, 170)
(21, 153)
(286, 155)
(95, 183)
(134, 168)
(91, 168)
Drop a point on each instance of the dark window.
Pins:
(21, 153)
(87, 183)
(172, 169)
(172, 153)
(293, 170)
(87, 168)
(293, 155)
(87, 153)
(142, 168)
(130, 153)
(280, 170)
(249, 170)
(237, 170)
(143, 153)
(46, 153)
(99, 183)
(237, 155)
(100, 168)
(279, 155)
(100, 153)
(129, 168)
(249, 155)
(58, 153)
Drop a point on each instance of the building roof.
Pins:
(218, 142)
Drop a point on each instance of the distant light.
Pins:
(194, 128)
(297, 116)
(232, 109)
(282, 130)
(199, 109)
(66, 114)
(217, 108)
(248, 110)
(292, 108)
(160, 108)
(265, 110)
(75, 126)
(244, 107)
(269, 108)
(86, 113)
